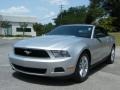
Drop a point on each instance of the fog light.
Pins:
(71, 68)
(59, 69)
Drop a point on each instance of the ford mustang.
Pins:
(66, 50)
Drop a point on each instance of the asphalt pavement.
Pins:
(102, 77)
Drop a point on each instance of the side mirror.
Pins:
(98, 35)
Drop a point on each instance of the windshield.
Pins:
(78, 31)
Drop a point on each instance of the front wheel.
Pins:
(111, 57)
(82, 68)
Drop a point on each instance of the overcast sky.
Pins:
(44, 10)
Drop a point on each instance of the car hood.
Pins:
(49, 42)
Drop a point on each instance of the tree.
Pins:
(39, 28)
(112, 7)
(95, 11)
(106, 23)
(74, 15)
(42, 29)
(23, 26)
(5, 25)
(0, 20)
(48, 27)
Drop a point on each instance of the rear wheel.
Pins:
(82, 68)
(111, 57)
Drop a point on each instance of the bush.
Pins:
(107, 23)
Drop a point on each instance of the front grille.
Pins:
(30, 70)
(31, 52)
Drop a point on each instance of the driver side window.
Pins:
(100, 32)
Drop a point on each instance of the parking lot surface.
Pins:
(102, 77)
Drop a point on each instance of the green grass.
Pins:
(117, 37)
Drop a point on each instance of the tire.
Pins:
(82, 68)
(111, 57)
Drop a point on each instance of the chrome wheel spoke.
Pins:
(84, 73)
(113, 55)
(83, 66)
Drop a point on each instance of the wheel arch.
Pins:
(89, 54)
(85, 50)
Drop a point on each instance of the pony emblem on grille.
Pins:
(27, 52)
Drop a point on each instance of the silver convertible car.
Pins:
(66, 50)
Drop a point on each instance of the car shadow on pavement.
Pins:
(43, 80)
(98, 67)
(54, 81)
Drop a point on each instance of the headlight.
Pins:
(60, 53)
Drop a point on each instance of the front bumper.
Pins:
(45, 64)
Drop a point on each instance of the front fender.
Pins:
(76, 50)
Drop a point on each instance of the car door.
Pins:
(107, 41)
(100, 45)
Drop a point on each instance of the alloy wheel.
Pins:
(83, 66)
(113, 55)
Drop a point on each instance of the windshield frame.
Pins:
(91, 33)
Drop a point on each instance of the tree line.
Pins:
(104, 13)
(101, 12)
